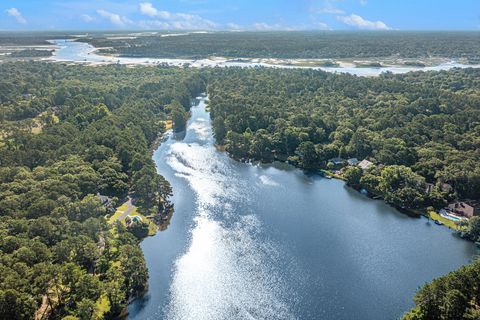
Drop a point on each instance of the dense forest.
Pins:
(69, 134)
(31, 53)
(30, 38)
(326, 44)
(418, 128)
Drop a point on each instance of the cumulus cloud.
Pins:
(322, 26)
(234, 26)
(148, 9)
(87, 18)
(328, 8)
(13, 12)
(262, 26)
(169, 20)
(114, 18)
(361, 23)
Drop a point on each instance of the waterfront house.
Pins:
(466, 208)
(352, 161)
(429, 188)
(107, 202)
(336, 161)
(365, 164)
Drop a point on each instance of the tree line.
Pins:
(295, 45)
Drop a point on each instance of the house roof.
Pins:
(352, 161)
(104, 199)
(336, 160)
(365, 164)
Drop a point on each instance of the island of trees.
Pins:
(294, 45)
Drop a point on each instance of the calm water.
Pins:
(85, 53)
(268, 242)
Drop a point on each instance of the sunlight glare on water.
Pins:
(226, 273)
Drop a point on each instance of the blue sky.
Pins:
(240, 14)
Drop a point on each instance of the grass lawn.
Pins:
(168, 124)
(333, 175)
(449, 223)
(152, 228)
(117, 213)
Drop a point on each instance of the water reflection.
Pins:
(255, 241)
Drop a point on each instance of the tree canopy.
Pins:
(68, 133)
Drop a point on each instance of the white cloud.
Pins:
(13, 12)
(329, 8)
(361, 23)
(148, 9)
(87, 18)
(114, 18)
(262, 26)
(234, 26)
(169, 20)
(322, 26)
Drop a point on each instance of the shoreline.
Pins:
(160, 227)
(87, 54)
(417, 213)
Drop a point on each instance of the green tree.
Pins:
(178, 115)
(353, 174)
(85, 309)
(402, 187)
(308, 156)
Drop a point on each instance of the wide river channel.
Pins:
(251, 241)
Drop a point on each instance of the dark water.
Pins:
(268, 242)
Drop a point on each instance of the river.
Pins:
(269, 242)
(80, 52)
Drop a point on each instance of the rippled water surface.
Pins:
(268, 242)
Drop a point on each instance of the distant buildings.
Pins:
(467, 208)
(364, 164)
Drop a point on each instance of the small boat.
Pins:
(439, 223)
(328, 177)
